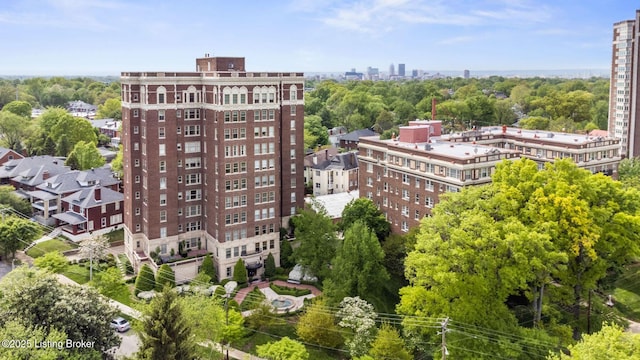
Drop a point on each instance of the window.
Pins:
(162, 149)
(192, 147)
(163, 183)
(137, 179)
(192, 130)
(160, 115)
(163, 199)
(103, 222)
(163, 166)
(163, 215)
(161, 133)
(192, 163)
(136, 129)
(137, 195)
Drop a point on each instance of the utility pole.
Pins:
(443, 332)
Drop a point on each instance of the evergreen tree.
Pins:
(64, 146)
(270, 266)
(208, 268)
(145, 280)
(240, 272)
(286, 253)
(165, 330)
(165, 276)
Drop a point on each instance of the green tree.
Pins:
(52, 261)
(283, 349)
(166, 333)
(33, 334)
(116, 163)
(286, 254)
(317, 326)
(165, 277)
(20, 108)
(64, 146)
(270, 266)
(204, 328)
(16, 233)
(207, 267)
(316, 235)
(534, 123)
(76, 129)
(110, 282)
(111, 109)
(358, 268)
(611, 342)
(240, 272)
(365, 210)
(13, 129)
(318, 134)
(145, 280)
(37, 299)
(84, 156)
(9, 198)
(629, 172)
(389, 345)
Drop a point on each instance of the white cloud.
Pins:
(378, 16)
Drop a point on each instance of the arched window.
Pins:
(293, 93)
(161, 94)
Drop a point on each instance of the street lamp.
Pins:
(13, 264)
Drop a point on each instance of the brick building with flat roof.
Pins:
(213, 163)
(406, 175)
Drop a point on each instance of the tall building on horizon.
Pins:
(392, 70)
(213, 163)
(624, 111)
(401, 70)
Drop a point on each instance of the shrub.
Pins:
(128, 266)
(240, 272)
(145, 281)
(270, 266)
(207, 267)
(283, 290)
(165, 276)
(220, 291)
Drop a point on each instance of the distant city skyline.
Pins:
(105, 37)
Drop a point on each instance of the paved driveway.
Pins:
(130, 344)
(5, 268)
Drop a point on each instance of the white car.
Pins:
(120, 324)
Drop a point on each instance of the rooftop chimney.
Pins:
(97, 193)
(45, 175)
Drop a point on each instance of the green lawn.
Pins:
(117, 235)
(77, 273)
(626, 294)
(49, 246)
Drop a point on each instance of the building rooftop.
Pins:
(86, 198)
(357, 134)
(548, 136)
(75, 180)
(334, 204)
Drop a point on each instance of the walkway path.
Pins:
(242, 293)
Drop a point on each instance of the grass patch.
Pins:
(49, 246)
(285, 290)
(254, 298)
(626, 295)
(116, 235)
(78, 273)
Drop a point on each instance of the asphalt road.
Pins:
(5, 268)
(130, 344)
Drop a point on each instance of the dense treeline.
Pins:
(56, 132)
(546, 104)
(57, 91)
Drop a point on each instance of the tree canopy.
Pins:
(317, 241)
(36, 299)
(527, 230)
(84, 156)
(365, 210)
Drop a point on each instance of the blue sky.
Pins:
(105, 37)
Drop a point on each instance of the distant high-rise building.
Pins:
(414, 73)
(392, 70)
(401, 70)
(467, 74)
(624, 114)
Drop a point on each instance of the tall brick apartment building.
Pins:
(213, 159)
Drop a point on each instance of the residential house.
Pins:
(8, 154)
(350, 141)
(94, 208)
(334, 174)
(46, 198)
